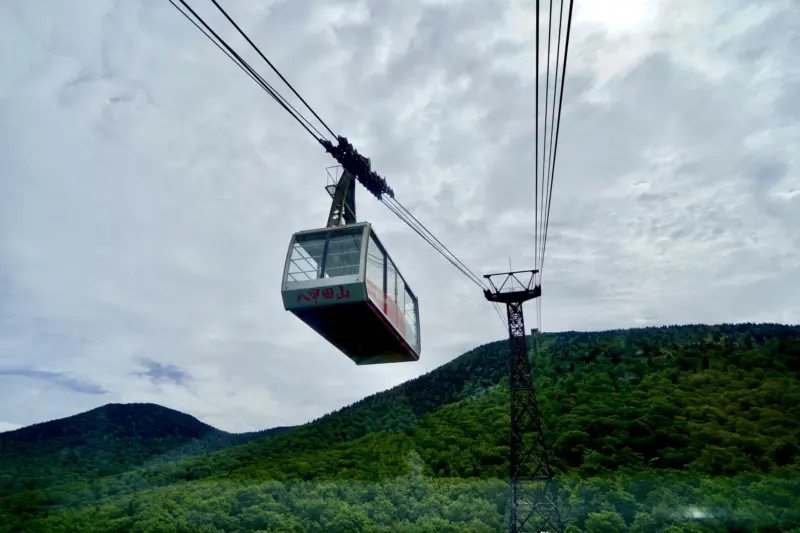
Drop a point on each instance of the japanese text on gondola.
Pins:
(329, 293)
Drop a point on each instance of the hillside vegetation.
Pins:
(105, 441)
(674, 429)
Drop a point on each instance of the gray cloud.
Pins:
(57, 378)
(158, 372)
(148, 188)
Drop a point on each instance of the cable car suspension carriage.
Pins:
(341, 281)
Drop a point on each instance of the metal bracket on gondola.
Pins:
(343, 206)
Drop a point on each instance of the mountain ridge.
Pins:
(148, 405)
(101, 411)
(640, 422)
(107, 440)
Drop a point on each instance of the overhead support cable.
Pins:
(257, 49)
(549, 173)
(558, 128)
(536, 144)
(441, 246)
(219, 42)
(549, 122)
(403, 214)
(540, 213)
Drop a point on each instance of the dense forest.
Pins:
(671, 429)
(108, 440)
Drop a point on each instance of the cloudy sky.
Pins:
(148, 188)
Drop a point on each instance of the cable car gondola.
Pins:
(341, 282)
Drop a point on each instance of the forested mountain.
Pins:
(105, 441)
(673, 429)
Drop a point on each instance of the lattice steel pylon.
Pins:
(534, 502)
